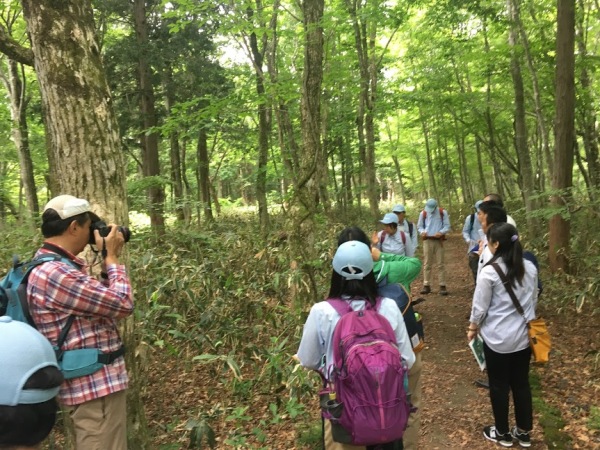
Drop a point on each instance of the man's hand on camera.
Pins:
(113, 242)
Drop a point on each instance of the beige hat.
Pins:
(68, 206)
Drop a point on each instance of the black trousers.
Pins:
(510, 372)
(474, 265)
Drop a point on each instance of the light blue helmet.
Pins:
(353, 260)
(23, 352)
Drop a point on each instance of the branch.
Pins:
(13, 49)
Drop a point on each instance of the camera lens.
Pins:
(126, 233)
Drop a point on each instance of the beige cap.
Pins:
(68, 206)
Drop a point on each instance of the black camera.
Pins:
(104, 229)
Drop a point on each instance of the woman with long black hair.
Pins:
(504, 333)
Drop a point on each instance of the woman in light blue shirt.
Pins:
(504, 333)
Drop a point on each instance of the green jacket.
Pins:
(397, 268)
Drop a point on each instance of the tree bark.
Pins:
(174, 149)
(82, 130)
(560, 226)
(363, 39)
(523, 155)
(148, 139)
(14, 83)
(587, 116)
(264, 125)
(204, 175)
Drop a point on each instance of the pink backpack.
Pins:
(369, 376)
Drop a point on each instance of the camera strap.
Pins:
(104, 252)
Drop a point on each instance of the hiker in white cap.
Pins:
(29, 382)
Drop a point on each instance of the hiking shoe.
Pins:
(491, 434)
(522, 437)
(443, 290)
(425, 290)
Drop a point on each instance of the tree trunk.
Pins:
(588, 119)
(537, 101)
(148, 140)
(174, 150)
(20, 133)
(204, 175)
(560, 227)
(430, 172)
(523, 155)
(264, 126)
(368, 81)
(86, 155)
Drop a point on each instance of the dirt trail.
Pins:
(455, 410)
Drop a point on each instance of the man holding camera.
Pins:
(62, 293)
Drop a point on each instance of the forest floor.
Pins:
(455, 409)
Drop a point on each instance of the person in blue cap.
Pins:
(433, 225)
(29, 382)
(393, 239)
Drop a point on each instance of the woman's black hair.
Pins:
(28, 425)
(509, 249)
(353, 234)
(365, 288)
(53, 225)
(493, 212)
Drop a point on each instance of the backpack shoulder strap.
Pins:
(41, 259)
(341, 306)
(472, 223)
(383, 236)
(509, 289)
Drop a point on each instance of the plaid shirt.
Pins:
(57, 290)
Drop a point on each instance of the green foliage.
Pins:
(594, 420)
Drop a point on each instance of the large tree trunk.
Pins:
(20, 132)
(149, 141)
(560, 227)
(83, 133)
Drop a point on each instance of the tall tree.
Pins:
(520, 140)
(149, 135)
(562, 182)
(84, 134)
